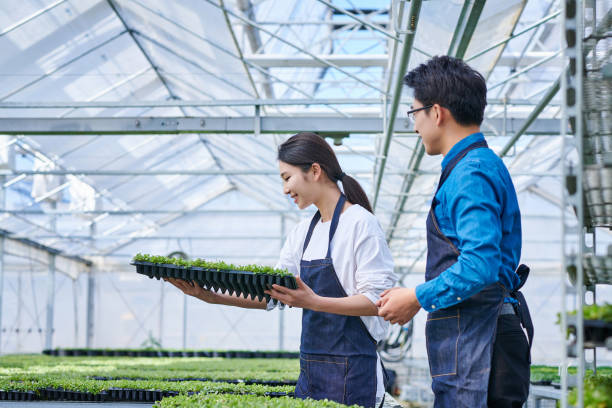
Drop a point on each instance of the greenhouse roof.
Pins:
(152, 126)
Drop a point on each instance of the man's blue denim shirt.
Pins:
(478, 211)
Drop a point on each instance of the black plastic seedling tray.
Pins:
(595, 331)
(169, 353)
(239, 283)
(112, 394)
(18, 396)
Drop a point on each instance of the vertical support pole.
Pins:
(75, 305)
(50, 302)
(1, 284)
(184, 321)
(573, 112)
(281, 313)
(89, 332)
(161, 311)
(566, 261)
(18, 333)
(578, 131)
(3, 204)
(91, 284)
(257, 125)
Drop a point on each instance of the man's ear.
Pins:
(440, 114)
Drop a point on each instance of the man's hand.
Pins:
(193, 289)
(303, 296)
(398, 305)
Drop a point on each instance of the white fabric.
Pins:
(361, 258)
(82, 195)
(44, 183)
(5, 151)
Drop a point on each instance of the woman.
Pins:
(342, 264)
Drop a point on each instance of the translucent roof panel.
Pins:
(114, 195)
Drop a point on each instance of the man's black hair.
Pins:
(453, 84)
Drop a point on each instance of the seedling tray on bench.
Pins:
(112, 394)
(596, 332)
(239, 283)
(76, 352)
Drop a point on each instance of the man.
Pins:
(478, 354)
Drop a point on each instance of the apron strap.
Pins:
(313, 223)
(523, 310)
(451, 165)
(332, 227)
(524, 315)
(334, 222)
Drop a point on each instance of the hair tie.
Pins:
(341, 176)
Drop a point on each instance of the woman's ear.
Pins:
(316, 171)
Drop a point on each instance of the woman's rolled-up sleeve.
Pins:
(374, 266)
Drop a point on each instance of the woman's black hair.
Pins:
(306, 148)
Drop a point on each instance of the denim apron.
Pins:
(337, 353)
(459, 338)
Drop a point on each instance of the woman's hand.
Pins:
(303, 296)
(193, 289)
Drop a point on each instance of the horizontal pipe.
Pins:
(233, 125)
(224, 172)
(218, 102)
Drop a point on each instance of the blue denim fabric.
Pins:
(477, 211)
(344, 379)
(459, 338)
(337, 353)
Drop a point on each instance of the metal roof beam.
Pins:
(525, 70)
(513, 36)
(532, 117)
(61, 66)
(301, 61)
(340, 10)
(466, 25)
(255, 42)
(31, 17)
(217, 102)
(189, 61)
(605, 24)
(160, 223)
(462, 36)
(413, 19)
(289, 43)
(37, 245)
(227, 52)
(269, 125)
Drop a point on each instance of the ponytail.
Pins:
(306, 148)
(354, 193)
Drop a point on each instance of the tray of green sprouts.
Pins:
(239, 280)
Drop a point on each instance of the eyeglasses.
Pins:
(413, 111)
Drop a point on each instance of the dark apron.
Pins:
(337, 354)
(460, 339)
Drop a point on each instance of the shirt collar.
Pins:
(460, 145)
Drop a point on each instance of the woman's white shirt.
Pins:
(360, 255)
(361, 258)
